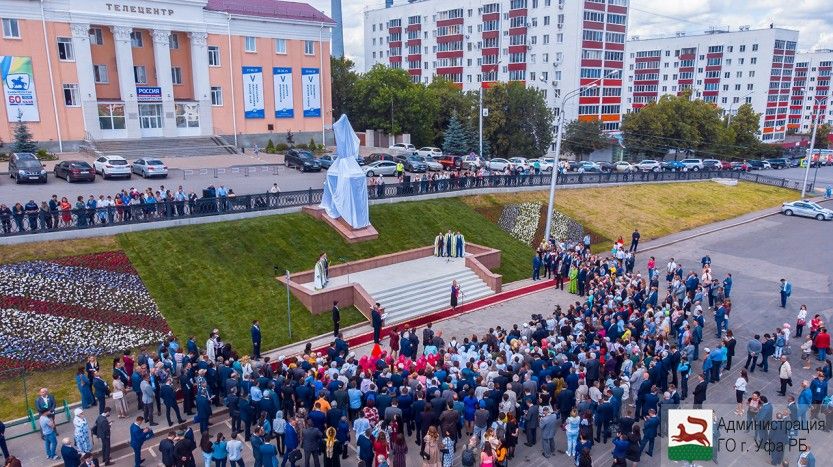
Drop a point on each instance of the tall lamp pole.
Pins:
(558, 138)
(809, 161)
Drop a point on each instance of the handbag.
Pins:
(117, 395)
(801, 322)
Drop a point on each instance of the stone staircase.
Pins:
(404, 302)
(162, 147)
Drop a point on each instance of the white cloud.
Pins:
(813, 18)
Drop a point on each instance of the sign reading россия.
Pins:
(141, 10)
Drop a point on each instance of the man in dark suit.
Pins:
(138, 436)
(336, 318)
(532, 421)
(256, 340)
(101, 391)
(649, 432)
(102, 431)
(311, 442)
(376, 321)
(203, 412)
(169, 398)
(186, 385)
(700, 391)
(604, 415)
(45, 401)
(168, 450)
(70, 455)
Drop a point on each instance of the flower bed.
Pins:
(58, 312)
(521, 221)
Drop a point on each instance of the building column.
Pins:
(127, 82)
(162, 61)
(202, 86)
(86, 78)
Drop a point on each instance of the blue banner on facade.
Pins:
(253, 92)
(312, 91)
(284, 101)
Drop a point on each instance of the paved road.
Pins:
(757, 254)
(824, 176)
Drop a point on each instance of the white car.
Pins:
(404, 147)
(545, 164)
(694, 165)
(112, 166)
(648, 165)
(498, 164)
(806, 209)
(520, 162)
(430, 162)
(624, 166)
(429, 151)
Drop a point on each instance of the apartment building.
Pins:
(553, 45)
(726, 68)
(811, 91)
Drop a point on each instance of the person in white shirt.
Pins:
(234, 448)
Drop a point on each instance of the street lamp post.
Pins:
(817, 103)
(729, 122)
(558, 138)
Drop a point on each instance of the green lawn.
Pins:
(221, 275)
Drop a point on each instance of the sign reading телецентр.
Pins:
(139, 9)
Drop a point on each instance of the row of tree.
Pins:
(519, 122)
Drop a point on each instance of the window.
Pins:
(187, 115)
(250, 44)
(309, 47)
(111, 116)
(753, 60)
(742, 48)
(136, 39)
(140, 74)
(216, 96)
(176, 75)
(71, 95)
(65, 51)
(100, 74)
(96, 38)
(213, 55)
(11, 30)
(754, 47)
(280, 46)
(173, 41)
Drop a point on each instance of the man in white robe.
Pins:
(319, 280)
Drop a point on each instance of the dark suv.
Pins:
(778, 163)
(26, 167)
(382, 156)
(302, 160)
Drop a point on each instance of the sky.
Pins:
(813, 18)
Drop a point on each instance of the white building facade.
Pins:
(553, 45)
(811, 91)
(725, 68)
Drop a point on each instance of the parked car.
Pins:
(519, 162)
(415, 164)
(606, 167)
(648, 165)
(725, 165)
(472, 162)
(740, 166)
(26, 167)
(498, 164)
(380, 168)
(588, 167)
(112, 166)
(624, 166)
(302, 160)
(694, 165)
(572, 166)
(147, 167)
(806, 208)
(75, 171)
(778, 163)
(430, 163)
(451, 162)
(325, 161)
(379, 156)
(712, 164)
(404, 147)
(430, 151)
(544, 164)
(674, 166)
(755, 164)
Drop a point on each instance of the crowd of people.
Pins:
(605, 369)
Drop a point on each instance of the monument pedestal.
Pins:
(344, 229)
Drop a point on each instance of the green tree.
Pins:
(270, 147)
(746, 124)
(519, 121)
(446, 100)
(23, 139)
(344, 81)
(455, 140)
(823, 136)
(583, 137)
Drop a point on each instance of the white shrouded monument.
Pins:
(345, 186)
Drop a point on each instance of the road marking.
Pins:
(152, 452)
